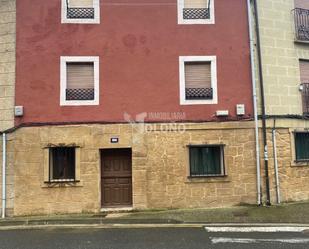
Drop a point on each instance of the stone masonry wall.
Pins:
(293, 177)
(160, 167)
(7, 62)
(280, 55)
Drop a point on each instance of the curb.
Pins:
(101, 223)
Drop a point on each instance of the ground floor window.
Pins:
(302, 146)
(62, 164)
(206, 160)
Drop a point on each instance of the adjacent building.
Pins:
(284, 41)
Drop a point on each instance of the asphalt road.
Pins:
(147, 238)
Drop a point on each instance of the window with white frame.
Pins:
(80, 11)
(196, 11)
(79, 80)
(198, 80)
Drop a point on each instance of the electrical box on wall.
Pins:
(240, 109)
(19, 111)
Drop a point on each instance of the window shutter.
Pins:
(304, 71)
(302, 4)
(81, 3)
(196, 3)
(80, 76)
(198, 75)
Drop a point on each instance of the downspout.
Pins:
(3, 174)
(256, 122)
(276, 162)
(264, 130)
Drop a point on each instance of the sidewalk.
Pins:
(294, 213)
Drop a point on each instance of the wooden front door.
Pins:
(116, 177)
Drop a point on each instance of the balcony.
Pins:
(301, 20)
(199, 93)
(305, 96)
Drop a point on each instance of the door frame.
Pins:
(116, 207)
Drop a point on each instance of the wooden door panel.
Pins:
(116, 178)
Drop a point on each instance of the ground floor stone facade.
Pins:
(160, 167)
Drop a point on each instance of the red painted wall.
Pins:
(139, 46)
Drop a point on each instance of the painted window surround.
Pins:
(180, 7)
(63, 80)
(95, 20)
(182, 83)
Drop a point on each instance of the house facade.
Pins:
(151, 110)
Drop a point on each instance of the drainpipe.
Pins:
(264, 129)
(276, 163)
(3, 174)
(256, 122)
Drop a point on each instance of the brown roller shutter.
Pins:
(197, 75)
(80, 3)
(304, 71)
(303, 4)
(80, 75)
(196, 3)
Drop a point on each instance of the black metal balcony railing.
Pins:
(305, 95)
(199, 93)
(79, 94)
(301, 19)
(196, 13)
(80, 13)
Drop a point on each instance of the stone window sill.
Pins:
(300, 164)
(301, 41)
(61, 184)
(208, 179)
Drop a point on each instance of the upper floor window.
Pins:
(80, 11)
(198, 80)
(79, 81)
(196, 12)
(304, 86)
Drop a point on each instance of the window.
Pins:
(206, 160)
(62, 164)
(302, 146)
(196, 12)
(79, 81)
(198, 80)
(304, 78)
(80, 11)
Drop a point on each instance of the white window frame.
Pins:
(95, 20)
(180, 7)
(182, 83)
(63, 80)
